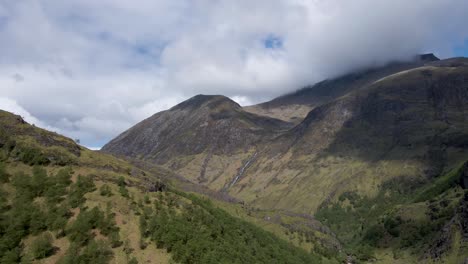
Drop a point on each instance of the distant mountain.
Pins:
(199, 129)
(294, 107)
(366, 149)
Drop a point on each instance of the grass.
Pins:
(127, 221)
(104, 169)
(397, 227)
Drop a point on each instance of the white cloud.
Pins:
(93, 68)
(13, 107)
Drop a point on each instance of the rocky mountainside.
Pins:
(374, 145)
(198, 131)
(411, 124)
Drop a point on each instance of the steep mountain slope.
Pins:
(295, 106)
(413, 123)
(62, 203)
(199, 131)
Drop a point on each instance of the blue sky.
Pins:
(91, 69)
(461, 50)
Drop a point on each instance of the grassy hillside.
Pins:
(405, 222)
(62, 203)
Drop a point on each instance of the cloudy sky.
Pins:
(90, 69)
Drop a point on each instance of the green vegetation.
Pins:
(122, 187)
(4, 177)
(77, 191)
(96, 213)
(42, 246)
(41, 204)
(49, 205)
(393, 219)
(25, 216)
(105, 190)
(441, 185)
(195, 231)
(97, 252)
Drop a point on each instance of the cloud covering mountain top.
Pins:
(90, 69)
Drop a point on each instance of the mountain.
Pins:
(412, 123)
(62, 203)
(365, 150)
(416, 115)
(295, 106)
(202, 130)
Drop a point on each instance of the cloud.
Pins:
(13, 107)
(94, 68)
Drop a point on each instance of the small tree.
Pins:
(4, 177)
(42, 247)
(105, 190)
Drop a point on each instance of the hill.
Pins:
(62, 203)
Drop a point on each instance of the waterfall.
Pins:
(242, 170)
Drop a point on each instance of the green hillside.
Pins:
(62, 203)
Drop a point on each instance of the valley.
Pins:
(368, 167)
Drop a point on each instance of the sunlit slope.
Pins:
(62, 203)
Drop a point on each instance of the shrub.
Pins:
(147, 199)
(123, 191)
(105, 190)
(39, 181)
(32, 156)
(80, 230)
(4, 176)
(11, 256)
(96, 252)
(114, 238)
(121, 181)
(23, 185)
(82, 186)
(42, 247)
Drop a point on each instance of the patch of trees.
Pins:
(96, 252)
(42, 246)
(23, 215)
(32, 154)
(198, 232)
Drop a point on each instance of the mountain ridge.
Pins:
(395, 131)
(294, 106)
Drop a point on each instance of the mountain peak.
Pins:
(427, 57)
(210, 101)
